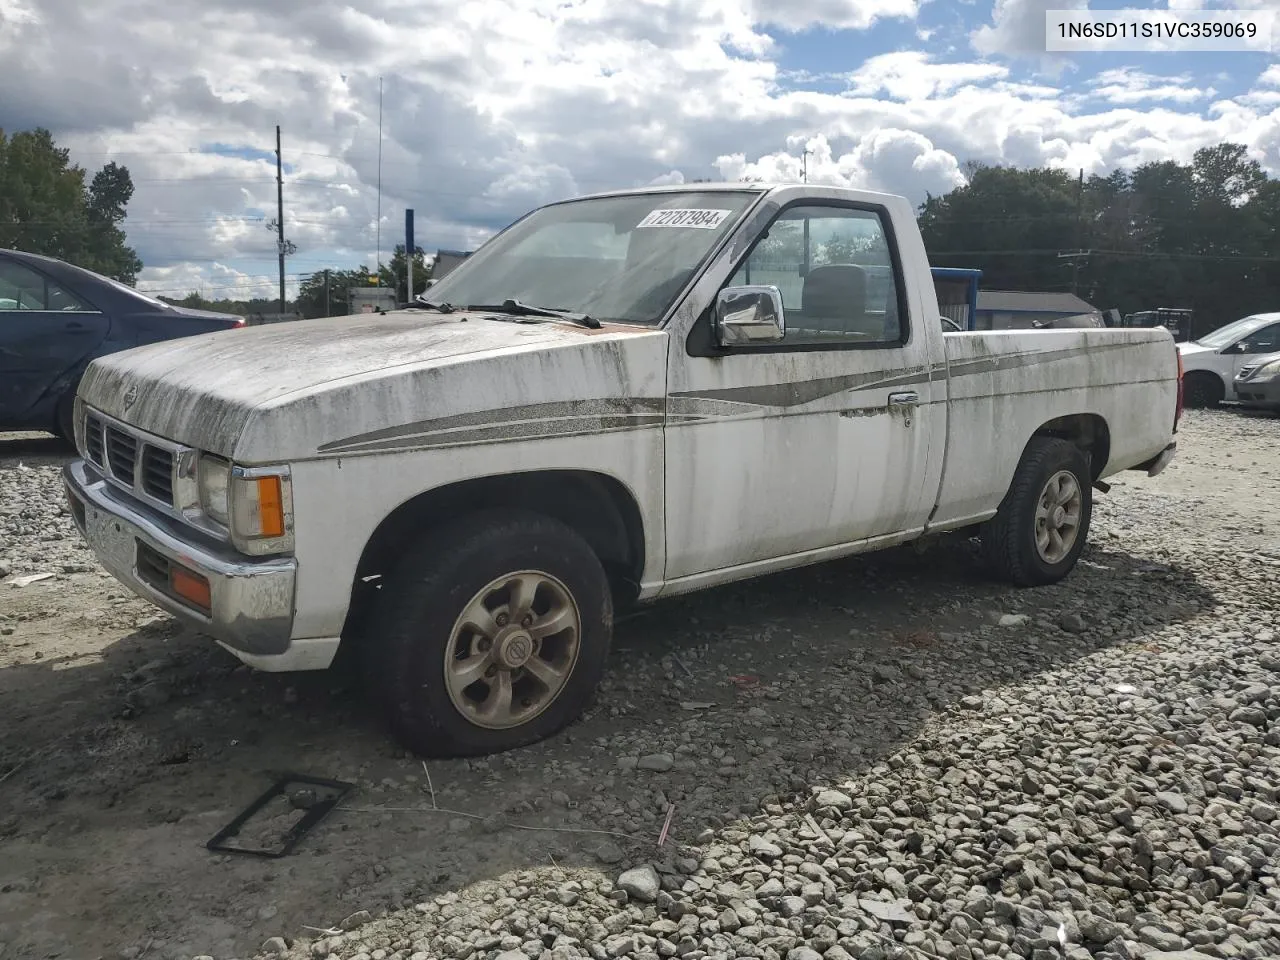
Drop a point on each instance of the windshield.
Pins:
(1231, 332)
(613, 258)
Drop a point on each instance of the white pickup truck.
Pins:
(618, 398)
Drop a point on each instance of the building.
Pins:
(957, 291)
(1021, 309)
(370, 299)
(446, 261)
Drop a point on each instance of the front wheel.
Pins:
(490, 635)
(1038, 533)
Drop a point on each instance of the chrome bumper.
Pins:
(250, 601)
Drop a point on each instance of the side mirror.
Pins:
(431, 282)
(749, 314)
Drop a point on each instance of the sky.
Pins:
(492, 107)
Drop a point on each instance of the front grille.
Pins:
(130, 459)
(122, 454)
(157, 473)
(93, 439)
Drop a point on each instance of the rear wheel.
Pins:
(490, 635)
(1038, 533)
(1203, 390)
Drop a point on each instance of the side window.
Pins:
(1266, 340)
(834, 270)
(22, 288)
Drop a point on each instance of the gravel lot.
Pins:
(878, 758)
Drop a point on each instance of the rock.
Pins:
(1264, 812)
(803, 953)
(1013, 619)
(657, 762)
(1095, 929)
(356, 920)
(833, 798)
(1255, 716)
(1072, 623)
(1161, 939)
(792, 906)
(641, 883)
(763, 849)
(1173, 802)
(609, 852)
(888, 911)
(276, 945)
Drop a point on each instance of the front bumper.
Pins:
(1260, 393)
(250, 601)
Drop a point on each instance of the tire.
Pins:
(416, 632)
(1203, 390)
(1009, 539)
(64, 423)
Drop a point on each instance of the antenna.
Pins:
(379, 226)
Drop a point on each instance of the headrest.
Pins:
(835, 290)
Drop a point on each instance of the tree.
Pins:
(46, 208)
(311, 301)
(1199, 235)
(396, 273)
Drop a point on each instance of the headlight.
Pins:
(215, 480)
(1267, 371)
(253, 504)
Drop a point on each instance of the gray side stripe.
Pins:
(614, 414)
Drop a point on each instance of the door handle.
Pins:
(906, 401)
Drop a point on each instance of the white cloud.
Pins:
(1017, 27)
(1126, 85)
(888, 160)
(909, 75)
(836, 14)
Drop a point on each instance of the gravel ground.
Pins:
(878, 758)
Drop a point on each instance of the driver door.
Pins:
(781, 449)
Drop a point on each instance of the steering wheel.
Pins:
(951, 324)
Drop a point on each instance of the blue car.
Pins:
(55, 318)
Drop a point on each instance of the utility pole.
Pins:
(1075, 263)
(408, 254)
(326, 291)
(280, 215)
(1078, 254)
(379, 225)
(804, 165)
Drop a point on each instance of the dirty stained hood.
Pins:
(201, 390)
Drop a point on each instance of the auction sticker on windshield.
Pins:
(701, 219)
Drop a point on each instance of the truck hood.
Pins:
(211, 390)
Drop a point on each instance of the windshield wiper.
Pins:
(428, 305)
(517, 309)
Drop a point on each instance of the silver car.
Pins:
(1257, 384)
